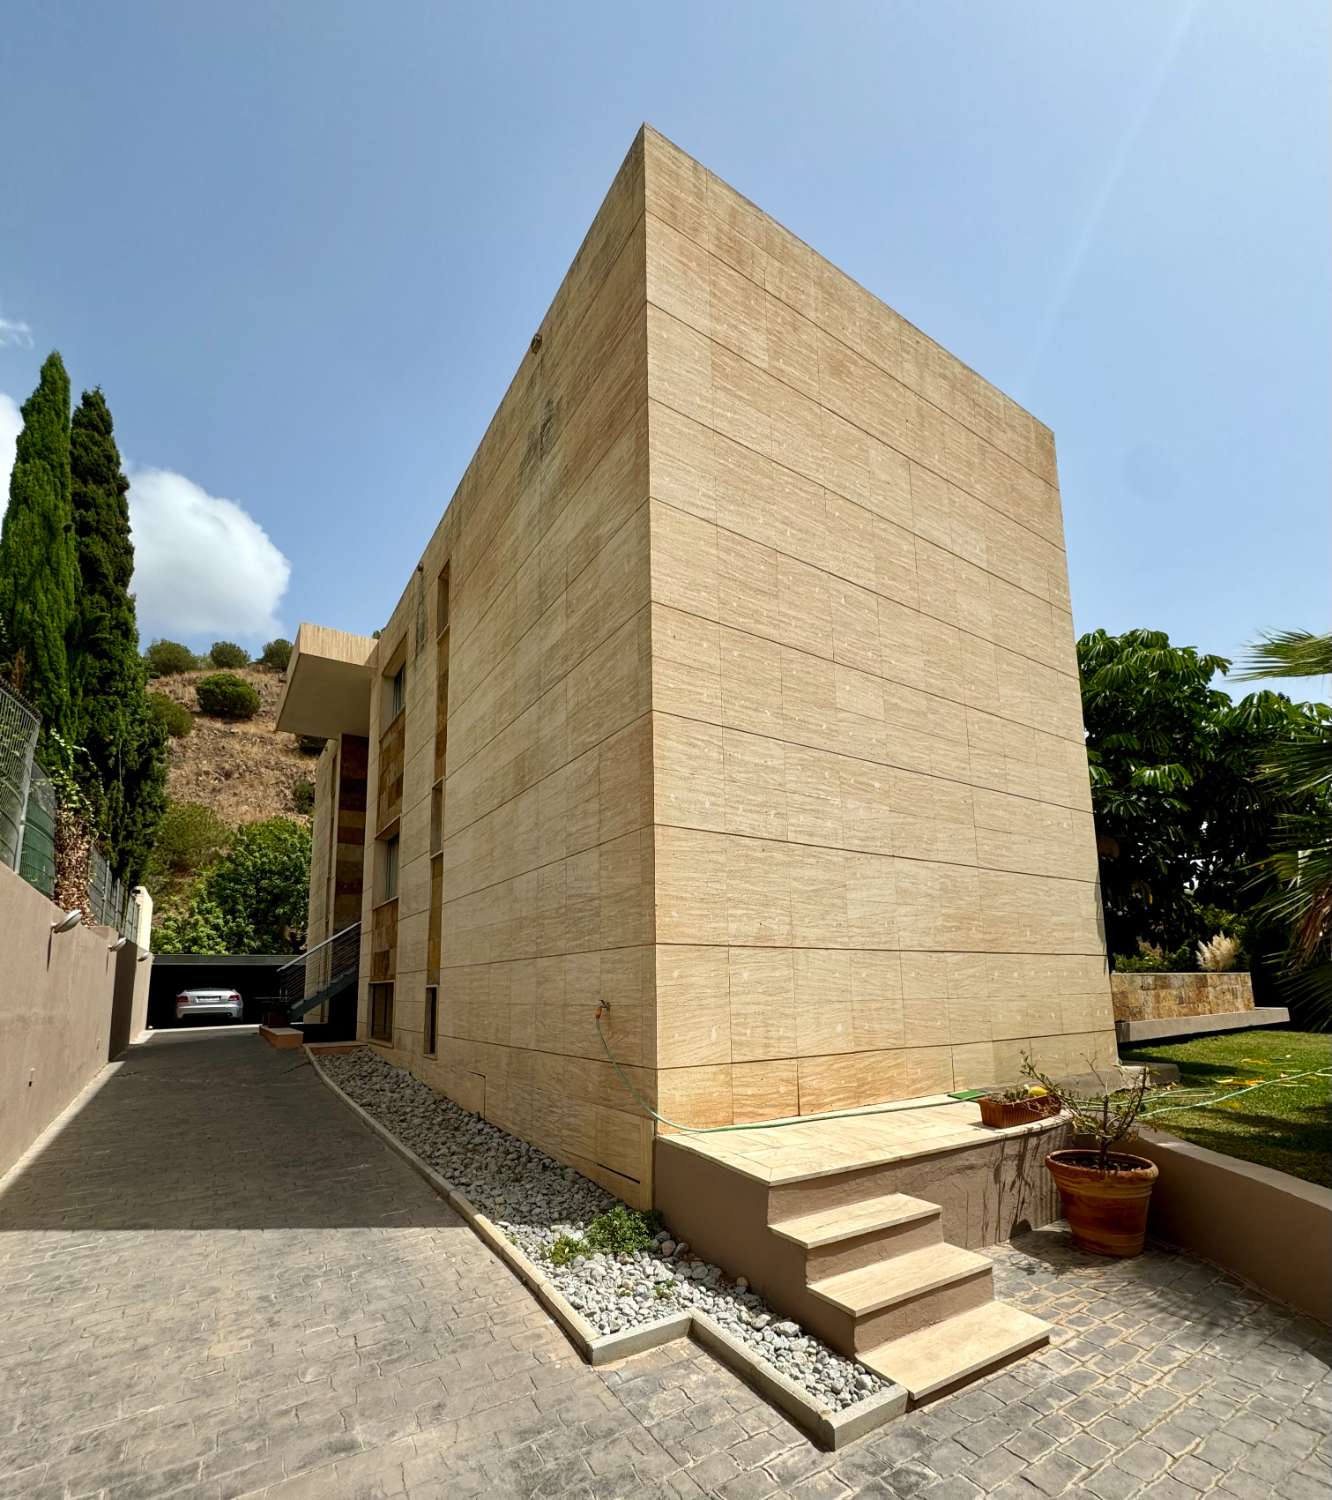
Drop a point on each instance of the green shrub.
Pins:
(226, 696)
(174, 717)
(275, 655)
(565, 1249)
(228, 654)
(310, 744)
(189, 838)
(303, 797)
(201, 927)
(164, 658)
(1151, 958)
(621, 1230)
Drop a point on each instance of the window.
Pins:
(381, 1012)
(431, 1019)
(397, 692)
(388, 879)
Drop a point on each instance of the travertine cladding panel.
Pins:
(1162, 997)
(875, 867)
(547, 856)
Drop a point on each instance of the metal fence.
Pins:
(18, 740)
(37, 862)
(28, 807)
(109, 901)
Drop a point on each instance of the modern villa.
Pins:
(723, 758)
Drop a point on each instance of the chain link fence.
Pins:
(18, 741)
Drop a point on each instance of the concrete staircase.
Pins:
(867, 1231)
(885, 1285)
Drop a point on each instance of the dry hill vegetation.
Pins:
(243, 770)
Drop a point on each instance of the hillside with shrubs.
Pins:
(230, 863)
(226, 753)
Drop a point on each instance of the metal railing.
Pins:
(18, 743)
(310, 975)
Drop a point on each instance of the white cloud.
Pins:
(14, 335)
(203, 566)
(11, 423)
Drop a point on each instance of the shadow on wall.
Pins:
(209, 1130)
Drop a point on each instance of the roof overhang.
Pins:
(327, 691)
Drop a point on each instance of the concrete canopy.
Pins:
(327, 691)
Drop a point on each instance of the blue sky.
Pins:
(303, 246)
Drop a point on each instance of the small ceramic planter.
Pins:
(1001, 1114)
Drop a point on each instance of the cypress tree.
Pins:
(37, 562)
(124, 765)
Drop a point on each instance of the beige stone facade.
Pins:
(738, 692)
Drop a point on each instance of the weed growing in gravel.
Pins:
(565, 1249)
(619, 1231)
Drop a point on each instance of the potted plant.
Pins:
(1105, 1193)
(1023, 1104)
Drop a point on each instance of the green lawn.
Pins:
(1285, 1125)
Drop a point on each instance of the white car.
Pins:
(191, 1003)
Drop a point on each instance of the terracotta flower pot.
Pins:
(1107, 1211)
(1001, 1114)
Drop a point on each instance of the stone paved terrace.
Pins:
(216, 1282)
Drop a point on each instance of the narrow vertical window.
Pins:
(389, 880)
(431, 1019)
(381, 1012)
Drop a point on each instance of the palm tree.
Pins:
(1301, 863)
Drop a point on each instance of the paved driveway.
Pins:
(215, 1282)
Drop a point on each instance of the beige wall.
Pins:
(874, 852)
(67, 1003)
(1266, 1226)
(762, 710)
(547, 896)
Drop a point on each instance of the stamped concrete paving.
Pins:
(216, 1282)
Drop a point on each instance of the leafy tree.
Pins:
(1182, 814)
(228, 654)
(201, 927)
(226, 696)
(276, 654)
(174, 717)
(1298, 900)
(167, 658)
(263, 885)
(250, 898)
(190, 839)
(37, 559)
(125, 764)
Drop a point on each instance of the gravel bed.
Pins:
(535, 1200)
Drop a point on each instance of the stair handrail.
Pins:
(302, 957)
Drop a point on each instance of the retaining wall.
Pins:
(1161, 997)
(68, 1005)
(1266, 1226)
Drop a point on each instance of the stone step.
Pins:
(871, 1288)
(871, 1304)
(827, 1225)
(853, 1235)
(958, 1349)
